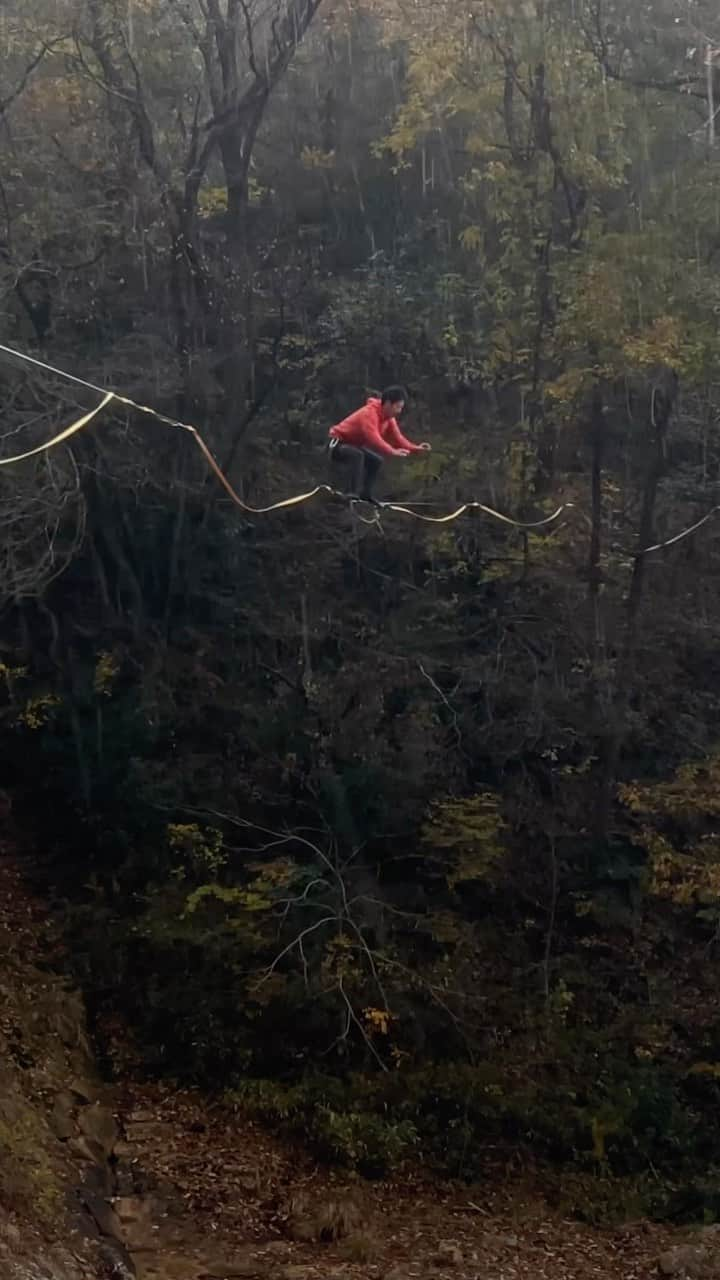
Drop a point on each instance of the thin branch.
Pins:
(549, 935)
(599, 46)
(276, 835)
(249, 35)
(311, 928)
(369, 957)
(354, 1018)
(47, 47)
(443, 697)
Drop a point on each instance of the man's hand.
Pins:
(426, 448)
(402, 453)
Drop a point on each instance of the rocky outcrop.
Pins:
(56, 1138)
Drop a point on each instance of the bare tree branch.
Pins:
(249, 35)
(46, 48)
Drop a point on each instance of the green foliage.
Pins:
(366, 1142)
(200, 851)
(469, 833)
(322, 1111)
(605, 1135)
(106, 673)
(37, 711)
(677, 833)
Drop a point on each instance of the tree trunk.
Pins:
(661, 406)
(597, 429)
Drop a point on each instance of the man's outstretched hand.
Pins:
(402, 453)
(426, 447)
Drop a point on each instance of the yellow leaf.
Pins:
(471, 239)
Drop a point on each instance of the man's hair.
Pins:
(392, 395)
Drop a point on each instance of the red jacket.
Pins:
(367, 429)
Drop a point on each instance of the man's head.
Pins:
(392, 401)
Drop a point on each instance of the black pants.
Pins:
(362, 466)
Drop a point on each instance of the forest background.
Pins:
(401, 834)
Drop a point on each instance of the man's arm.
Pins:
(398, 440)
(372, 439)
